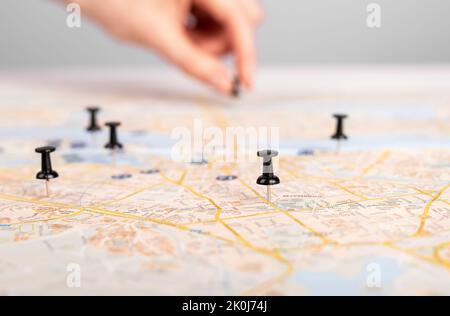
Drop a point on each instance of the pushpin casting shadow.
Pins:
(46, 173)
(113, 143)
(339, 134)
(268, 178)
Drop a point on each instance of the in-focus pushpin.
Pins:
(339, 134)
(46, 173)
(236, 87)
(113, 143)
(268, 178)
(93, 123)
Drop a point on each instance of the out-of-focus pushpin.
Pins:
(113, 143)
(46, 173)
(93, 123)
(236, 87)
(268, 178)
(339, 134)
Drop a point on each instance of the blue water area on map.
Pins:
(365, 143)
(306, 152)
(378, 109)
(87, 147)
(79, 137)
(331, 283)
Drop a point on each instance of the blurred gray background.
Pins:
(34, 34)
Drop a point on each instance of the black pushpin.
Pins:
(46, 173)
(339, 134)
(93, 125)
(113, 143)
(236, 87)
(268, 178)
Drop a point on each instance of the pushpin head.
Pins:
(45, 150)
(268, 177)
(46, 172)
(47, 175)
(113, 140)
(236, 87)
(268, 153)
(112, 124)
(92, 109)
(340, 116)
(93, 125)
(339, 134)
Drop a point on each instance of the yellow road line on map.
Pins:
(80, 208)
(380, 160)
(295, 219)
(132, 194)
(48, 219)
(38, 201)
(302, 210)
(437, 256)
(266, 252)
(93, 209)
(216, 206)
(416, 255)
(425, 214)
(102, 211)
(391, 244)
(181, 227)
(262, 288)
(339, 186)
(331, 182)
(232, 218)
(431, 195)
(72, 180)
(182, 178)
(217, 214)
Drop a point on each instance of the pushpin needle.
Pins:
(113, 157)
(113, 143)
(338, 146)
(269, 194)
(268, 178)
(339, 134)
(47, 191)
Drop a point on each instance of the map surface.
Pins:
(372, 219)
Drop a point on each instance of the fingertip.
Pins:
(222, 82)
(246, 69)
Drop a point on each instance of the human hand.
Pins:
(192, 34)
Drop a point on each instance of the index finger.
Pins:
(241, 34)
